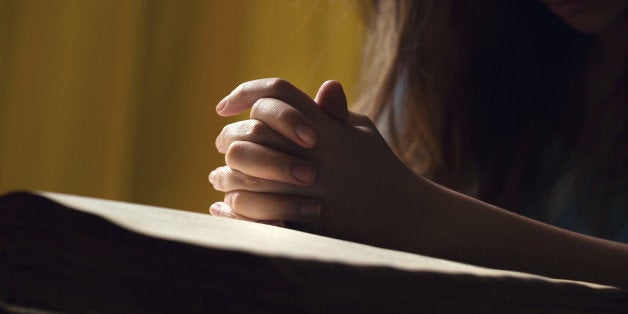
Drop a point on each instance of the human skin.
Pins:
(367, 195)
(355, 188)
(603, 68)
(259, 161)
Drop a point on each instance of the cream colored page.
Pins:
(229, 234)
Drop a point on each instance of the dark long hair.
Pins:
(471, 93)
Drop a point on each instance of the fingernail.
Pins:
(215, 209)
(310, 211)
(303, 173)
(221, 105)
(306, 134)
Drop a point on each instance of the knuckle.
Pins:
(277, 84)
(257, 129)
(219, 141)
(215, 179)
(266, 108)
(274, 109)
(250, 182)
(225, 130)
(237, 147)
(259, 107)
(288, 115)
(218, 144)
(234, 199)
(211, 179)
(236, 180)
(238, 152)
(239, 89)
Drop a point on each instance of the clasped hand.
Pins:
(309, 161)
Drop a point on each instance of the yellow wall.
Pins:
(115, 99)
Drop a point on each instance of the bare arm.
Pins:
(361, 191)
(461, 228)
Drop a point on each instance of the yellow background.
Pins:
(115, 99)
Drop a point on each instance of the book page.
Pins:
(256, 238)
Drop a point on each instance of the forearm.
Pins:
(390, 206)
(461, 228)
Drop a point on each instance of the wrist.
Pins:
(408, 225)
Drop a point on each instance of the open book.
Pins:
(62, 253)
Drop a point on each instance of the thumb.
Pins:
(331, 98)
